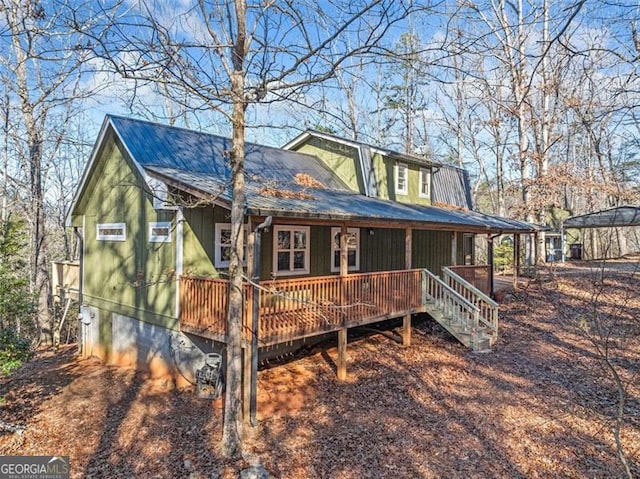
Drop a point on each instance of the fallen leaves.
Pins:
(536, 406)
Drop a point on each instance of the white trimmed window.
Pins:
(223, 245)
(160, 232)
(291, 250)
(402, 179)
(111, 231)
(353, 249)
(425, 183)
(468, 244)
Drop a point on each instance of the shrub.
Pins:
(14, 351)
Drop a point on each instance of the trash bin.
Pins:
(575, 250)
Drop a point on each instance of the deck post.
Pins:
(342, 354)
(344, 250)
(454, 248)
(246, 383)
(490, 263)
(406, 330)
(516, 259)
(406, 320)
(408, 247)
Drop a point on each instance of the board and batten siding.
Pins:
(342, 159)
(199, 239)
(432, 250)
(130, 277)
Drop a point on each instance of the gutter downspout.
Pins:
(253, 403)
(80, 279)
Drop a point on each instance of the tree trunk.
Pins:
(231, 443)
(40, 273)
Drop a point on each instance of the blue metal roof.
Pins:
(338, 205)
(153, 144)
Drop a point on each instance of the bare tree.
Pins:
(40, 69)
(230, 57)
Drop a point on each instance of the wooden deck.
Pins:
(291, 309)
(299, 308)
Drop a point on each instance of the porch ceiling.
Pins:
(337, 205)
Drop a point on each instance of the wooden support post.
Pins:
(342, 354)
(408, 247)
(406, 320)
(246, 383)
(454, 248)
(490, 263)
(406, 330)
(536, 250)
(344, 250)
(516, 259)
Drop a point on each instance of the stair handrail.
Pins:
(452, 292)
(492, 320)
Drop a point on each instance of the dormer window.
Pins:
(402, 179)
(425, 183)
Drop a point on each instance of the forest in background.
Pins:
(537, 98)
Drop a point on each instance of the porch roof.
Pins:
(335, 205)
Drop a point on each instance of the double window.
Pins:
(353, 249)
(291, 250)
(111, 231)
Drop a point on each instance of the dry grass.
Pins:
(537, 406)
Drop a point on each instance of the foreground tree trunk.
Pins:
(232, 426)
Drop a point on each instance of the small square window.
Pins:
(402, 179)
(111, 231)
(160, 232)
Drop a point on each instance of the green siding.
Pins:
(342, 159)
(319, 253)
(133, 274)
(385, 174)
(381, 251)
(431, 250)
(199, 239)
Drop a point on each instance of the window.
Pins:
(402, 177)
(468, 244)
(291, 250)
(111, 231)
(353, 249)
(425, 183)
(160, 232)
(223, 245)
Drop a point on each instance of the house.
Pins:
(326, 251)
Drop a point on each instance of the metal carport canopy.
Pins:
(618, 216)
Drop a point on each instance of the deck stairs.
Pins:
(462, 309)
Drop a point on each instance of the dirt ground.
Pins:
(541, 404)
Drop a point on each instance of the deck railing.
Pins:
(290, 309)
(65, 279)
(487, 307)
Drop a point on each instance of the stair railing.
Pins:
(452, 303)
(487, 307)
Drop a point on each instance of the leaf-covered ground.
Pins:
(539, 405)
